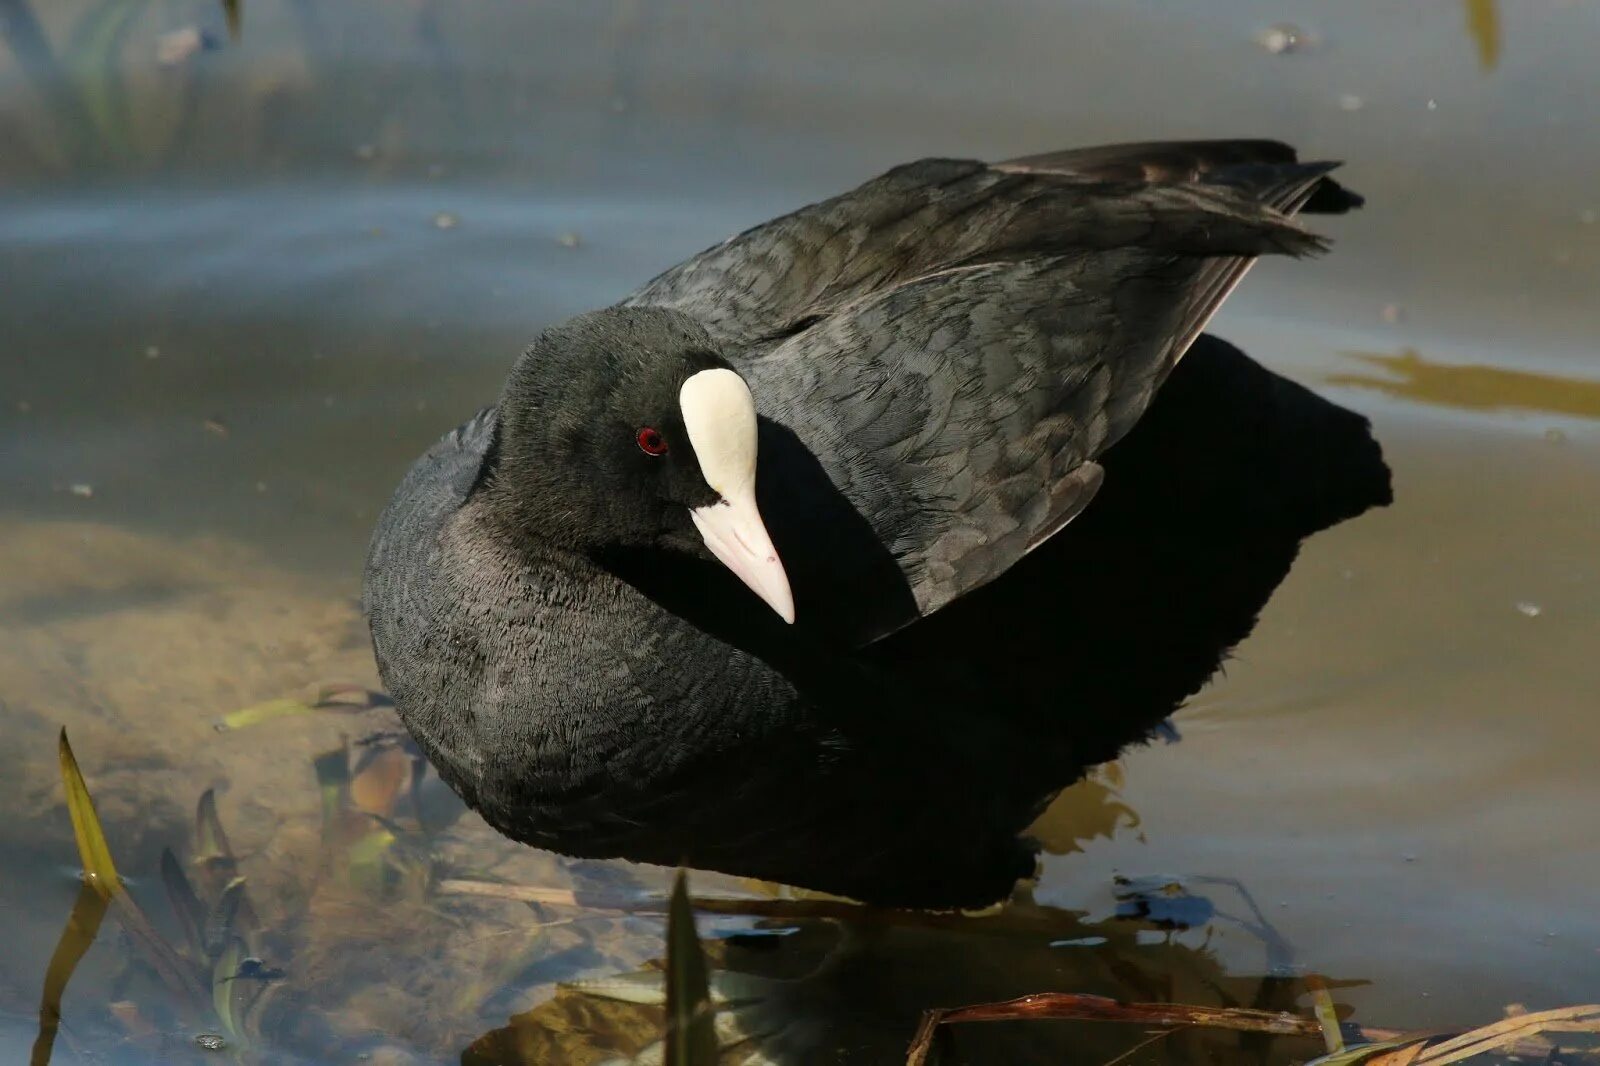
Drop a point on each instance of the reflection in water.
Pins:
(1478, 388)
(810, 992)
(1089, 810)
(1483, 23)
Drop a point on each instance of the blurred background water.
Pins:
(245, 280)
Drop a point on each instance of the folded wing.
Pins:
(955, 343)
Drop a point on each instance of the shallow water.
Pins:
(241, 292)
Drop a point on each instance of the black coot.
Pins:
(833, 553)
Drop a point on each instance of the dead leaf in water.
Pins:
(1403, 1056)
(380, 779)
(1504, 1034)
(1072, 1006)
(1518, 1036)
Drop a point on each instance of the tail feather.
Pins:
(1267, 172)
(1248, 163)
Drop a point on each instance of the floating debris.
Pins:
(214, 426)
(1351, 102)
(211, 1041)
(569, 240)
(445, 220)
(1531, 610)
(1283, 38)
(1393, 314)
(81, 489)
(181, 45)
(366, 152)
(1555, 436)
(152, 352)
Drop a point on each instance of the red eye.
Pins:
(651, 442)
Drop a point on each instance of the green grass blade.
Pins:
(82, 925)
(98, 869)
(691, 1037)
(262, 712)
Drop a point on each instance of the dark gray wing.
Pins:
(954, 343)
(960, 413)
(921, 217)
(1265, 171)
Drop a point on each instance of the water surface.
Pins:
(242, 291)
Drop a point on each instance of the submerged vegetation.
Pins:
(213, 983)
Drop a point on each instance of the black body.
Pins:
(1024, 512)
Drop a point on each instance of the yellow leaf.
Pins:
(98, 869)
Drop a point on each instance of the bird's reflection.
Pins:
(828, 992)
(1203, 512)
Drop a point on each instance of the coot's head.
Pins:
(625, 428)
